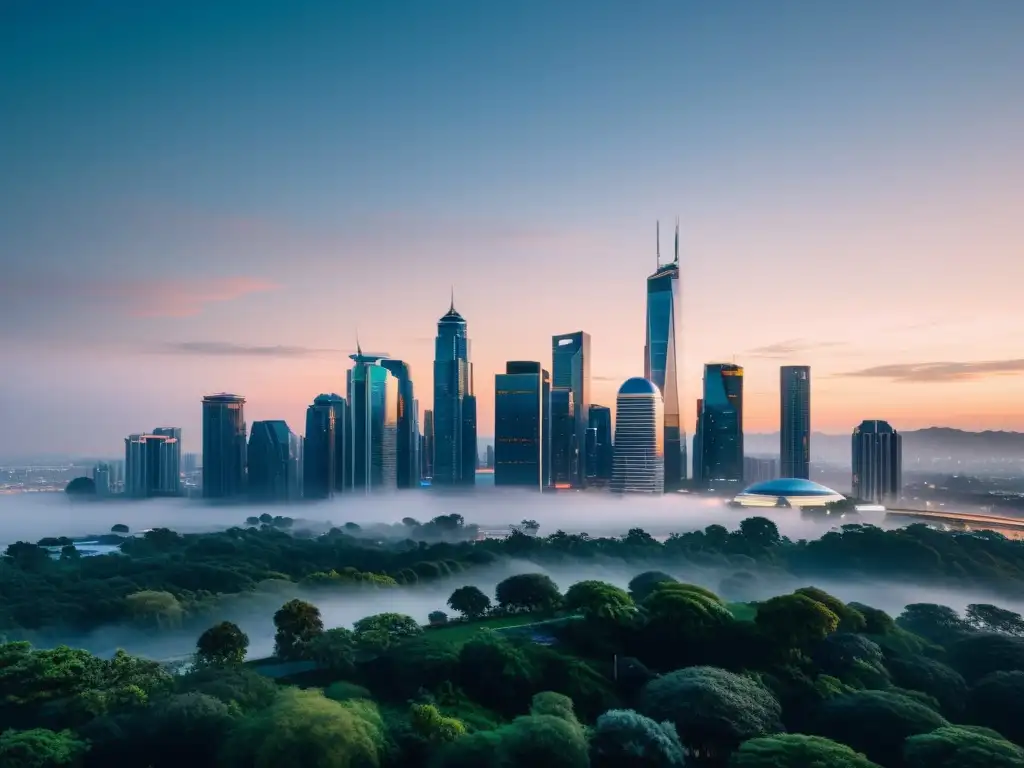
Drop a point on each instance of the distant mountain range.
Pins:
(938, 448)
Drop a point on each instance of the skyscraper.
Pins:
(273, 456)
(721, 426)
(663, 360)
(101, 477)
(324, 447)
(408, 471)
(639, 461)
(427, 459)
(521, 398)
(454, 404)
(563, 438)
(373, 403)
(877, 462)
(224, 444)
(600, 420)
(151, 466)
(570, 369)
(795, 421)
(175, 434)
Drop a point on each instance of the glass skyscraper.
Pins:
(877, 462)
(600, 420)
(408, 470)
(325, 447)
(224, 444)
(427, 459)
(639, 461)
(563, 438)
(273, 462)
(720, 427)
(455, 454)
(151, 465)
(795, 421)
(570, 369)
(663, 361)
(373, 415)
(521, 400)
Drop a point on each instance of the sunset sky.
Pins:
(201, 196)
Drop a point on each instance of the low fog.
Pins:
(30, 517)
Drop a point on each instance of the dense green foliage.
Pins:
(663, 674)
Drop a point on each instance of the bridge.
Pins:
(1010, 527)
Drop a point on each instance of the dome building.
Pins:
(638, 464)
(787, 492)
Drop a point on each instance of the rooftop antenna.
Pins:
(677, 239)
(657, 248)
(359, 348)
(452, 307)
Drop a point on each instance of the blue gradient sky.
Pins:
(204, 196)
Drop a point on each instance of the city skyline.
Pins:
(859, 218)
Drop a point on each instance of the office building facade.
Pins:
(408, 471)
(427, 456)
(455, 452)
(224, 446)
(757, 469)
(521, 431)
(151, 466)
(600, 420)
(563, 438)
(795, 421)
(639, 457)
(373, 412)
(273, 456)
(570, 369)
(720, 427)
(877, 452)
(663, 357)
(324, 447)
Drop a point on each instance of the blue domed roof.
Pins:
(790, 486)
(638, 385)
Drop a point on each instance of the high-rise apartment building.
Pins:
(521, 428)
(720, 427)
(101, 478)
(325, 447)
(224, 446)
(639, 458)
(600, 420)
(273, 455)
(663, 357)
(151, 466)
(408, 470)
(373, 402)
(175, 434)
(877, 462)
(455, 452)
(563, 438)
(795, 421)
(570, 369)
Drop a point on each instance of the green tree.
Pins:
(437, 618)
(187, 729)
(935, 623)
(920, 673)
(713, 710)
(39, 748)
(554, 704)
(875, 723)
(497, 673)
(470, 602)
(795, 621)
(760, 531)
(978, 655)
(304, 728)
(334, 650)
(297, 623)
(119, 528)
(430, 724)
(996, 702)
(795, 750)
(876, 621)
(622, 738)
(235, 685)
(154, 608)
(81, 486)
(961, 747)
(542, 740)
(850, 619)
(991, 618)
(599, 600)
(528, 592)
(382, 630)
(641, 585)
(222, 643)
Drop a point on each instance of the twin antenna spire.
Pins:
(657, 231)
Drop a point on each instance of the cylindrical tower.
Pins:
(639, 458)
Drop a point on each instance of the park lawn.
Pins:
(742, 611)
(460, 632)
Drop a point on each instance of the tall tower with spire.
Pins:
(455, 428)
(663, 357)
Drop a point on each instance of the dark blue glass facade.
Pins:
(570, 369)
(373, 402)
(662, 358)
(454, 437)
(324, 448)
(408, 474)
(601, 422)
(721, 426)
(521, 453)
(795, 421)
(563, 437)
(273, 462)
(224, 444)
